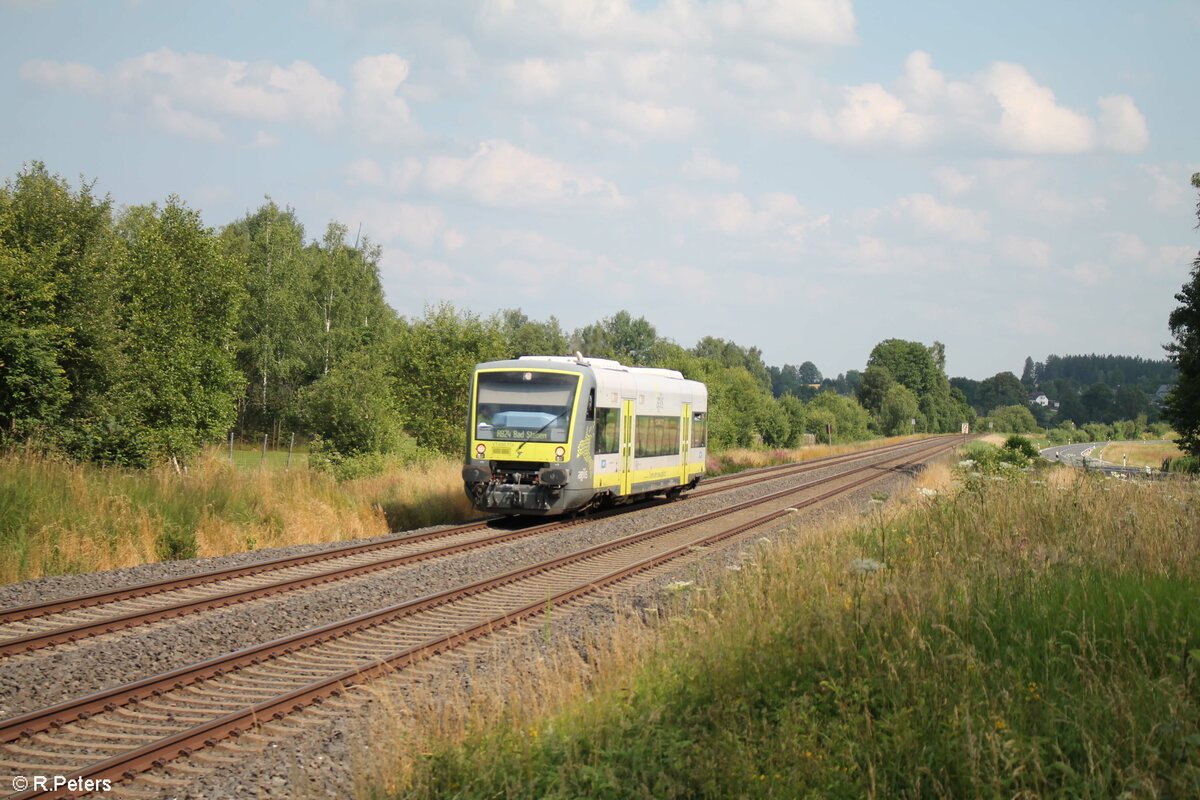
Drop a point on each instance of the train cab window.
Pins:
(608, 430)
(699, 429)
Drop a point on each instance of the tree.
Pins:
(877, 382)
(59, 340)
(1131, 402)
(1029, 375)
(1070, 409)
(630, 341)
(432, 361)
(182, 300)
(525, 337)
(850, 418)
(1012, 419)
(281, 327)
(808, 373)
(1182, 407)
(796, 414)
(921, 369)
(352, 410)
(1002, 389)
(1097, 402)
(898, 410)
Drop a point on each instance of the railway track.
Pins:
(32, 627)
(118, 733)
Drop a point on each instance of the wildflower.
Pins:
(1000, 724)
(865, 566)
(921, 490)
(677, 586)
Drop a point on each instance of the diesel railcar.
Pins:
(555, 434)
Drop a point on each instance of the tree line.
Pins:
(133, 335)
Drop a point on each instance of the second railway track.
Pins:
(118, 733)
(32, 627)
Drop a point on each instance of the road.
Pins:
(1087, 455)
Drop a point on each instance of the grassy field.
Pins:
(251, 458)
(57, 517)
(1140, 454)
(1037, 636)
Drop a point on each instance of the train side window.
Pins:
(608, 430)
(699, 429)
(656, 436)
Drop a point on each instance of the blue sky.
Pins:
(807, 176)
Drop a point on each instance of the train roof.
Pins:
(607, 363)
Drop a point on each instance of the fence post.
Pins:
(291, 444)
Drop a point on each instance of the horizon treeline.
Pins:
(135, 336)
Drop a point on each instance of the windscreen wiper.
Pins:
(539, 430)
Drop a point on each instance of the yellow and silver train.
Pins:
(554, 434)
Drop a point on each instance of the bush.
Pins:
(1187, 465)
(1021, 445)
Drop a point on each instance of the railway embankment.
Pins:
(1013, 633)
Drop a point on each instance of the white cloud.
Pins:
(869, 114)
(187, 93)
(1122, 126)
(535, 79)
(952, 181)
(69, 75)
(264, 139)
(643, 119)
(364, 171)
(704, 166)
(735, 214)
(418, 226)
(681, 23)
(1090, 273)
(1031, 121)
(935, 218)
(1170, 186)
(183, 123)
(1003, 106)
(1126, 248)
(1026, 251)
(1021, 184)
(501, 174)
(379, 110)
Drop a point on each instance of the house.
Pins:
(1162, 393)
(1039, 399)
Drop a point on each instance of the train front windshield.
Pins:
(524, 406)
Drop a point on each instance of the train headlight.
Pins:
(559, 452)
(480, 450)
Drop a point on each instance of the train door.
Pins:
(627, 448)
(685, 433)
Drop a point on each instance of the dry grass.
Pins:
(1140, 454)
(739, 459)
(997, 439)
(59, 517)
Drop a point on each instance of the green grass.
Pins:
(248, 458)
(1032, 637)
